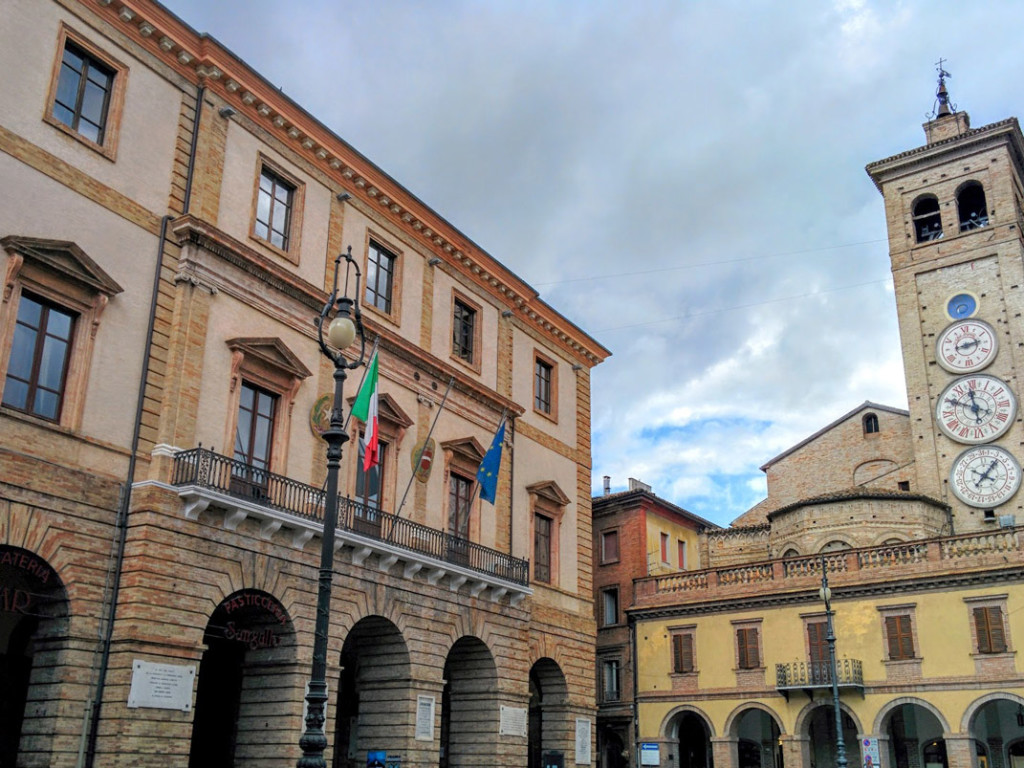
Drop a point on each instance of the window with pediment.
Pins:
(547, 507)
(54, 296)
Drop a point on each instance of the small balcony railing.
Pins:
(202, 468)
(808, 675)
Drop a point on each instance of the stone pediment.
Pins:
(549, 490)
(64, 258)
(467, 447)
(273, 352)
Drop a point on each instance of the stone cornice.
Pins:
(200, 59)
(974, 138)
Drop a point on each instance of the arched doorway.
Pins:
(548, 693)
(757, 734)
(821, 732)
(374, 679)
(693, 740)
(915, 737)
(33, 631)
(469, 706)
(997, 725)
(612, 747)
(250, 651)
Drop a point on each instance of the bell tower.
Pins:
(954, 214)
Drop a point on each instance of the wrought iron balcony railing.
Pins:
(807, 675)
(201, 467)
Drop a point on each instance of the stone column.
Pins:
(796, 751)
(726, 751)
(960, 750)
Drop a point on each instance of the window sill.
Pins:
(553, 418)
(107, 150)
(291, 258)
(462, 362)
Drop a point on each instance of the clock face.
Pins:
(985, 476)
(975, 409)
(966, 345)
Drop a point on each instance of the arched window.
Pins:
(970, 205)
(870, 424)
(927, 221)
(835, 546)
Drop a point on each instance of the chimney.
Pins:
(636, 485)
(607, 484)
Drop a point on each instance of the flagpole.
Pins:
(419, 456)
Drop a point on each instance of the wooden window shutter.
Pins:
(899, 636)
(988, 622)
(817, 641)
(682, 653)
(746, 642)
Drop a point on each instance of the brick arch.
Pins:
(733, 718)
(801, 724)
(669, 724)
(975, 706)
(888, 707)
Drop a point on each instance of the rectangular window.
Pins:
(274, 203)
(254, 436)
(988, 623)
(40, 349)
(610, 680)
(380, 277)
(542, 548)
(610, 605)
(682, 653)
(664, 548)
(369, 483)
(610, 547)
(747, 652)
(899, 637)
(543, 377)
(463, 331)
(817, 641)
(84, 89)
(681, 547)
(460, 496)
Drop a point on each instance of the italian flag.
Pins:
(365, 408)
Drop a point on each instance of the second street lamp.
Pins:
(344, 323)
(826, 594)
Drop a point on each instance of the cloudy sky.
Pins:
(684, 180)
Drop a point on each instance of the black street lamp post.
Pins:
(826, 594)
(342, 330)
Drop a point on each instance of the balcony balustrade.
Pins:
(809, 675)
(204, 479)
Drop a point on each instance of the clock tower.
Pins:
(954, 214)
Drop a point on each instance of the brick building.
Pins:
(169, 226)
(911, 515)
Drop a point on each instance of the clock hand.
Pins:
(966, 344)
(985, 475)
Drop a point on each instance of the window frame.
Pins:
(983, 646)
(967, 224)
(473, 361)
(683, 554)
(664, 541)
(871, 424)
(393, 423)
(549, 501)
(381, 244)
(293, 235)
(114, 108)
(548, 550)
(541, 362)
(921, 219)
(462, 458)
(742, 652)
(265, 362)
(610, 599)
(613, 665)
(60, 272)
(41, 334)
(679, 638)
(607, 535)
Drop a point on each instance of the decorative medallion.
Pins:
(985, 476)
(966, 345)
(975, 409)
(424, 451)
(320, 415)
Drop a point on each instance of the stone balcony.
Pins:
(208, 481)
(808, 676)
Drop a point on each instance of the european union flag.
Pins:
(487, 475)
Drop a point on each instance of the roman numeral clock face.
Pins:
(975, 409)
(966, 345)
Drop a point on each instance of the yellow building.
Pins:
(911, 516)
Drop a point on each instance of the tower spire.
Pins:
(942, 106)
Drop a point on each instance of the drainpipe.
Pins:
(631, 621)
(90, 737)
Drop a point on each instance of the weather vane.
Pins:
(942, 106)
